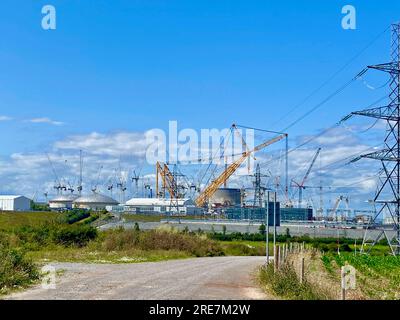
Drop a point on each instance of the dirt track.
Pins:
(198, 278)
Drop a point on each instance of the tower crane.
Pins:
(301, 184)
(227, 173)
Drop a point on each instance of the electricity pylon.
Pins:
(387, 197)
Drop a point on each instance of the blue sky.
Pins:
(130, 66)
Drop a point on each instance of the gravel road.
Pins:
(197, 278)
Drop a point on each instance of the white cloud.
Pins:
(5, 118)
(46, 121)
(115, 144)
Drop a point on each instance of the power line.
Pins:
(331, 77)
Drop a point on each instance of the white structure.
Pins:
(14, 203)
(161, 206)
(94, 201)
(62, 201)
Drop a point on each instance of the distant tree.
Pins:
(212, 229)
(287, 233)
(262, 229)
(224, 229)
(136, 227)
(186, 229)
(39, 206)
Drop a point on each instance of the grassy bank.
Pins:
(12, 220)
(377, 277)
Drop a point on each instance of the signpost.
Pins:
(348, 274)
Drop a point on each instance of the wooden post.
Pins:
(276, 258)
(279, 256)
(302, 270)
(343, 294)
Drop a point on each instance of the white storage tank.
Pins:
(94, 201)
(63, 201)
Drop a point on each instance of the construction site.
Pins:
(253, 184)
(208, 150)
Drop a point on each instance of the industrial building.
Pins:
(14, 203)
(63, 202)
(162, 206)
(297, 214)
(94, 201)
(256, 213)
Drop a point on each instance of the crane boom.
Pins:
(170, 182)
(301, 184)
(310, 167)
(213, 187)
(167, 179)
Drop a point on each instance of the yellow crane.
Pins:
(213, 187)
(167, 180)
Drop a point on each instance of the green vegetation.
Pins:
(285, 283)
(378, 276)
(322, 244)
(16, 270)
(30, 239)
(12, 220)
(244, 248)
(39, 206)
(142, 218)
(262, 229)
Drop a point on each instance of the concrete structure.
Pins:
(227, 197)
(94, 201)
(14, 203)
(63, 201)
(162, 206)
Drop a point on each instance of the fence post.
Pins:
(279, 256)
(276, 258)
(302, 270)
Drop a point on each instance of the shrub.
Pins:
(73, 235)
(168, 239)
(75, 215)
(15, 269)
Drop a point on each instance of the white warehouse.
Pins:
(14, 203)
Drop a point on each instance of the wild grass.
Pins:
(285, 284)
(12, 220)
